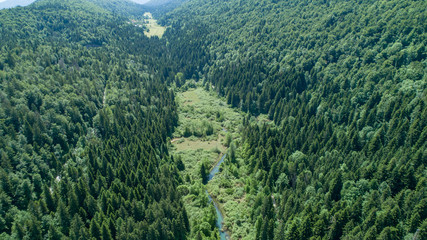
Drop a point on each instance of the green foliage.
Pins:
(199, 154)
(84, 123)
(204, 172)
(342, 88)
(333, 146)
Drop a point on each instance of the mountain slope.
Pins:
(85, 119)
(343, 88)
(121, 7)
(333, 145)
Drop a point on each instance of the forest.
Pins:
(319, 108)
(342, 84)
(84, 124)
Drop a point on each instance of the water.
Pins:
(220, 218)
(215, 169)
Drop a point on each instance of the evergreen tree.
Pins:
(106, 235)
(77, 228)
(203, 173)
(94, 230)
(63, 217)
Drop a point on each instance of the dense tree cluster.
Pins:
(86, 112)
(344, 84)
(84, 121)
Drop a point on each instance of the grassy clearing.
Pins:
(199, 110)
(154, 29)
(195, 144)
(188, 144)
(190, 97)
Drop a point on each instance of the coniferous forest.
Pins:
(317, 110)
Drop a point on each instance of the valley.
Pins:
(153, 28)
(207, 128)
(239, 120)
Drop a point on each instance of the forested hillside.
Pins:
(84, 120)
(332, 143)
(344, 85)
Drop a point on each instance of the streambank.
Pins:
(224, 235)
(200, 112)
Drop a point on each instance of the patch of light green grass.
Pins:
(198, 109)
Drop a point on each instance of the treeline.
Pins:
(84, 120)
(345, 87)
(369, 187)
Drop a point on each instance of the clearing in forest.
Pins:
(204, 122)
(206, 127)
(154, 29)
(188, 144)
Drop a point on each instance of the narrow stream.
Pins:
(223, 235)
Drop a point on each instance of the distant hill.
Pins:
(123, 7)
(14, 3)
(155, 3)
(141, 1)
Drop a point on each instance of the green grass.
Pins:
(190, 97)
(187, 144)
(198, 107)
(154, 29)
(197, 110)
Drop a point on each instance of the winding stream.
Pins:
(223, 234)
